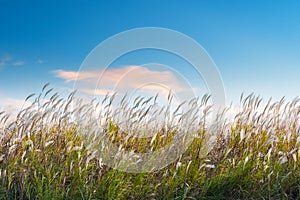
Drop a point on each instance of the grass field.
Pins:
(44, 155)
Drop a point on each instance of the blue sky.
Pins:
(255, 44)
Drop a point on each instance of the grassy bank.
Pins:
(43, 155)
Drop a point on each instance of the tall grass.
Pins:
(46, 151)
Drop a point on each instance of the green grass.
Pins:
(44, 154)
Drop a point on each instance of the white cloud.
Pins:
(40, 61)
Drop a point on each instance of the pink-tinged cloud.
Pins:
(98, 91)
(69, 76)
(120, 79)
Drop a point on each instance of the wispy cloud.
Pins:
(18, 63)
(39, 61)
(7, 59)
(130, 77)
(4, 59)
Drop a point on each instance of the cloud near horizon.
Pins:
(12, 105)
(122, 79)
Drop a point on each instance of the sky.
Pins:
(254, 44)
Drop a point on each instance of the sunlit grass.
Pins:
(45, 154)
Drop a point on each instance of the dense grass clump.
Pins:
(46, 151)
